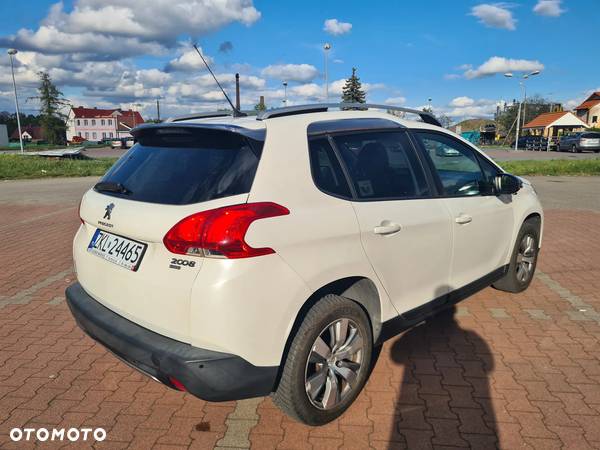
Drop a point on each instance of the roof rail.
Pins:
(202, 115)
(425, 116)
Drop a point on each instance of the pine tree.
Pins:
(352, 91)
(52, 120)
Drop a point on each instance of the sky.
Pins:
(128, 53)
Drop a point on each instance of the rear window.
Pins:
(179, 166)
(591, 135)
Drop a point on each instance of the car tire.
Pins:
(523, 260)
(308, 360)
(573, 149)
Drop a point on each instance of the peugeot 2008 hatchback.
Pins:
(234, 257)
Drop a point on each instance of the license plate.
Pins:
(118, 250)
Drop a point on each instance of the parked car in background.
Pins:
(116, 143)
(532, 143)
(577, 142)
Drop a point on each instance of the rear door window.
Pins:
(326, 170)
(382, 165)
(185, 166)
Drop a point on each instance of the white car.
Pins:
(235, 257)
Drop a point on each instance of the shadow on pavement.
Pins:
(444, 397)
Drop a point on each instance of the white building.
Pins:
(94, 124)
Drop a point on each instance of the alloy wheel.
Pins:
(525, 258)
(334, 364)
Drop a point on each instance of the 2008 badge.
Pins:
(179, 263)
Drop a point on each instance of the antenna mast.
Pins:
(236, 112)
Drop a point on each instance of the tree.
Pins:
(260, 106)
(535, 106)
(352, 91)
(445, 120)
(52, 120)
(10, 120)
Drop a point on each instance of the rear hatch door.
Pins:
(171, 173)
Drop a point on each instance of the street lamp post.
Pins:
(522, 84)
(326, 49)
(285, 93)
(11, 53)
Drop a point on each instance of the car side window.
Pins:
(382, 165)
(456, 165)
(327, 172)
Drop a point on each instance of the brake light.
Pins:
(220, 232)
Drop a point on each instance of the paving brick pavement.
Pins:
(514, 371)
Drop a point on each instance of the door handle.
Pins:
(387, 227)
(463, 219)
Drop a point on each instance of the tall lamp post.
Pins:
(326, 49)
(285, 93)
(12, 52)
(523, 85)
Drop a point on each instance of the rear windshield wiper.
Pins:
(111, 186)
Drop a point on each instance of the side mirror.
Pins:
(506, 183)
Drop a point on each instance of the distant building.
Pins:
(553, 124)
(3, 136)
(29, 133)
(94, 124)
(589, 110)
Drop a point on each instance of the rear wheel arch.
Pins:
(361, 290)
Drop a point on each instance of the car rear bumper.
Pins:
(207, 374)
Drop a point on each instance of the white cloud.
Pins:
(497, 64)
(550, 8)
(291, 72)
(496, 15)
(188, 60)
(336, 28)
(50, 40)
(465, 107)
(451, 76)
(461, 102)
(309, 90)
(395, 101)
(122, 28)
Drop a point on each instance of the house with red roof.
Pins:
(95, 124)
(589, 110)
(552, 124)
(29, 133)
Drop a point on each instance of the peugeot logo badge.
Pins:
(108, 211)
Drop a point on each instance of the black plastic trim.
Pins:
(251, 133)
(209, 375)
(322, 127)
(404, 321)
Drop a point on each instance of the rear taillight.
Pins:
(220, 232)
